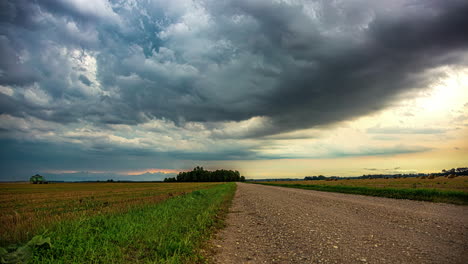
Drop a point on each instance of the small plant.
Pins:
(23, 254)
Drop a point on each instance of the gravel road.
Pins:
(269, 224)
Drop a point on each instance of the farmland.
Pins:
(69, 212)
(438, 189)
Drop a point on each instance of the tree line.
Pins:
(454, 171)
(198, 174)
(314, 178)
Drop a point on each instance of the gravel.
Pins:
(269, 224)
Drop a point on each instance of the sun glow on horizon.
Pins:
(152, 171)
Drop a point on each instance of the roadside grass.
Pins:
(168, 232)
(27, 208)
(421, 194)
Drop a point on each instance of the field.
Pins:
(439, 189)
(112, 222)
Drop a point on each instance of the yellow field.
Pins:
(24, 207)
(442, 183)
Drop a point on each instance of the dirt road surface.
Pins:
(270, 224)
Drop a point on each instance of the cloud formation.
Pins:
(298, 64)
(201, 75)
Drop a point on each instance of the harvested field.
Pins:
(441, 189)
(26, 208)
(440, 183)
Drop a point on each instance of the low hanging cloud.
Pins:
(405, 130)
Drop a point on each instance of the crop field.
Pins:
(110, 222)
(441, 183)
(28, 208)
(438, 189)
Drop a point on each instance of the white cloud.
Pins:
(6, 90)
(34, 94)
(94, 8)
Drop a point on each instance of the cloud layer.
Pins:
(298, 64)
(201, 72)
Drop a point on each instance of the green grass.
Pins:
(421, 194)
(168, 232)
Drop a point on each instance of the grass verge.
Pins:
(168, 232)
(432, 195)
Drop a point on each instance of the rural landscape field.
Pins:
(170, 222)
(426, 188)
(109, 222)
(234, 131)
(459, 183)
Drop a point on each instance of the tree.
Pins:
(198, 174)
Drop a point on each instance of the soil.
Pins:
(269, 224)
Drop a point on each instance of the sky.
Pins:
(141, 90)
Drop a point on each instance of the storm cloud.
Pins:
(203, 74)
(297, 64)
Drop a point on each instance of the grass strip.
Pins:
(168, 232)
(421, 194)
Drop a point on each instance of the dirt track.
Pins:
(282, 225)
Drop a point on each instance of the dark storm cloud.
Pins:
(232, 61)
(84, 80)
(342, 79)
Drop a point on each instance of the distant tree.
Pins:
(171, 179)
(198, 174)
(316, 178)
